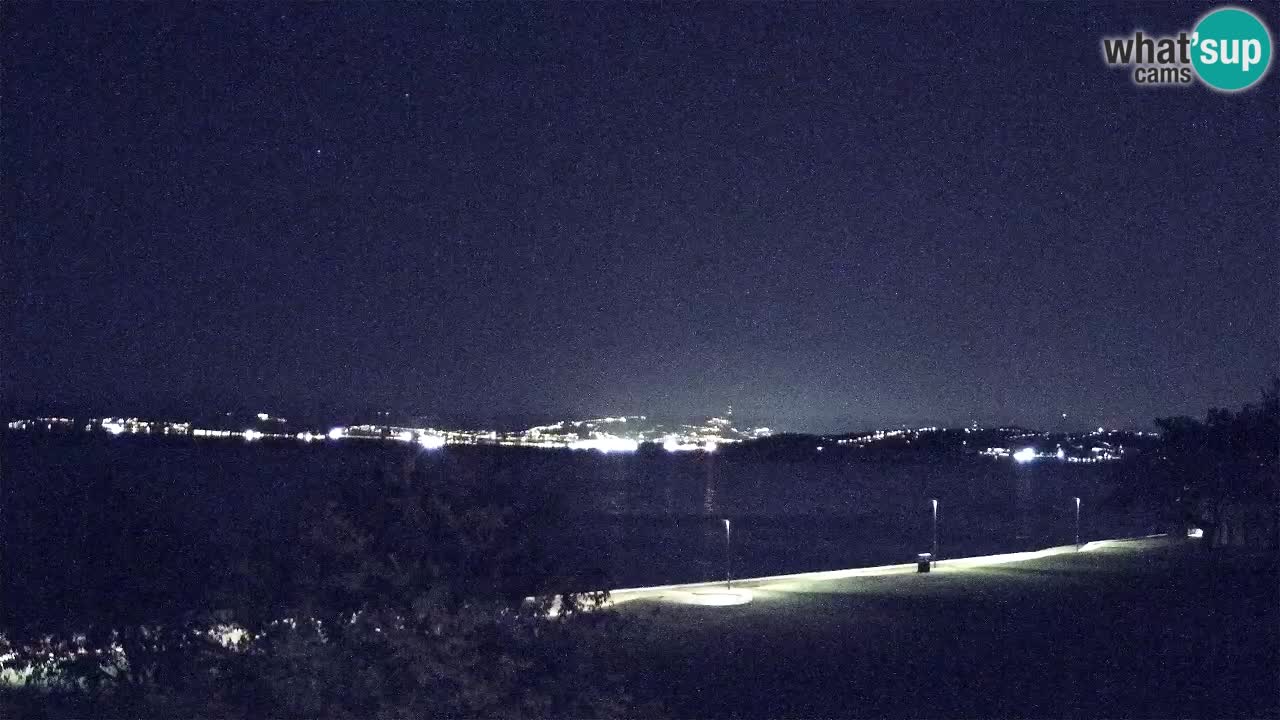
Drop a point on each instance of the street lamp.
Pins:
(935, 529)
(1077, 523)
(728, 576)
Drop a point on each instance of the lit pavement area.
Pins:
(744, 588)
(1141, 628)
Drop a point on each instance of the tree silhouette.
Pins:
(422, 591)
(412, 597)
(1229, 458)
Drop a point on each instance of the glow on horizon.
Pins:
(1025, 455)
(337, 433)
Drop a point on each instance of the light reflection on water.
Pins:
(655, 517)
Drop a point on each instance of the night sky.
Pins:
(832, 217)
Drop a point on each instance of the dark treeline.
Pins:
(1224, 471)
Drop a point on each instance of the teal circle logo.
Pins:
(1231, 49)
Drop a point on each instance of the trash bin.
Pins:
(923, 561)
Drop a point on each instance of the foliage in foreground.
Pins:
(406, 596)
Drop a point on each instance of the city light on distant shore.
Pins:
(625, 434)
(361, 352)
(606, 444)
(431, 442)
(621, 434)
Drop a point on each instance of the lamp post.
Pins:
(1077, 524)
(728, 575)
(935, 529)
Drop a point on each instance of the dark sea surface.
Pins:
(643, 518)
